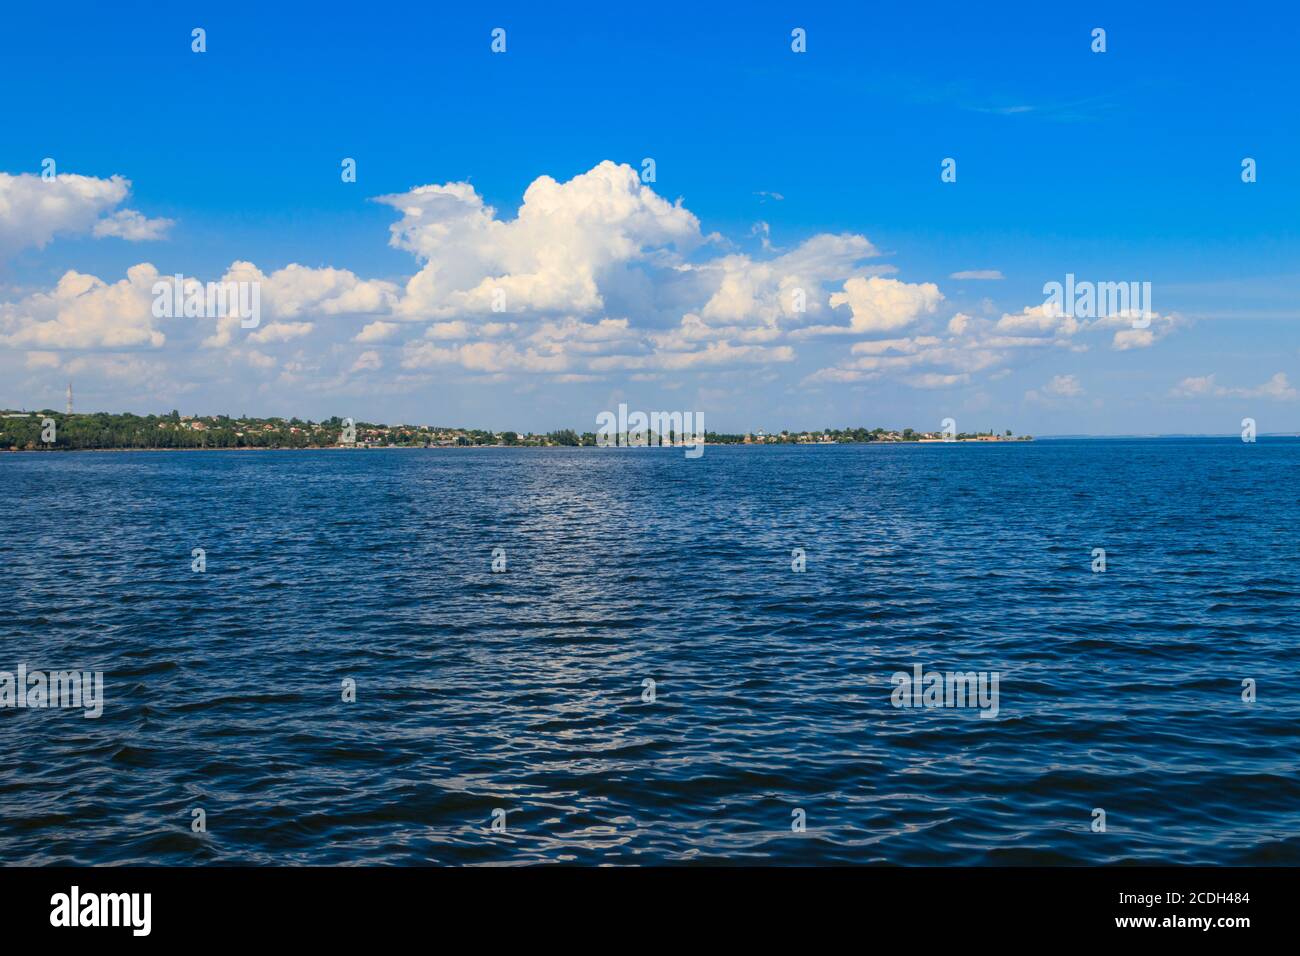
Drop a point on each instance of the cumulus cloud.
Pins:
(297, 290)
(1126, 339)
(886, 305)
(132, 226)
(1039, 320)
(84, 312)
(976, 344)
(294, 291)
(546, 281)
(553, 256)
(788, 288)
(1277, 388)
(376, 331)
(34, 210)
(593, 277)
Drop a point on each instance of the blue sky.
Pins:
(1118, 166)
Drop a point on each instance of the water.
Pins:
(523, 690)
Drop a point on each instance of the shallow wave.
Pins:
(523, 691)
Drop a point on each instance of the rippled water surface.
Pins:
(523, 690)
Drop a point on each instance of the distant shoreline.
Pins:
(471, 447)
(720, 444)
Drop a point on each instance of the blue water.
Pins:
(522, 691)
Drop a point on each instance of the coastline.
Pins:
(357, 448)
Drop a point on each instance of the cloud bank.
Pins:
(595, 278)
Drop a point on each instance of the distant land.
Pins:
(28, 431)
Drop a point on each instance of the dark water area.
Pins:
(524, 691)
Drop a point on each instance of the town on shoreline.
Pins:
(106, 431)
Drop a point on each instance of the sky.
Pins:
(795, 258)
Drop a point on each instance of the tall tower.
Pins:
(69, 398)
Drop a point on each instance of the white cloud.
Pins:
(973, 344)
(296, 290)
(572, 330)
(33, 210)
(489, 357)
(978, 274)
(376, 331)
(84, 312)
(459, 330)
(758, 292)
(1066, 386)
(1194, 387)
(596, 275)
(1039, 319)
(280, 332)
(1126, 339)
(885, 305)
(554, 256)
(937, 380)
(1277, 388)
(909, 346)
(879, 305)
(132, 226)
(299, 290)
